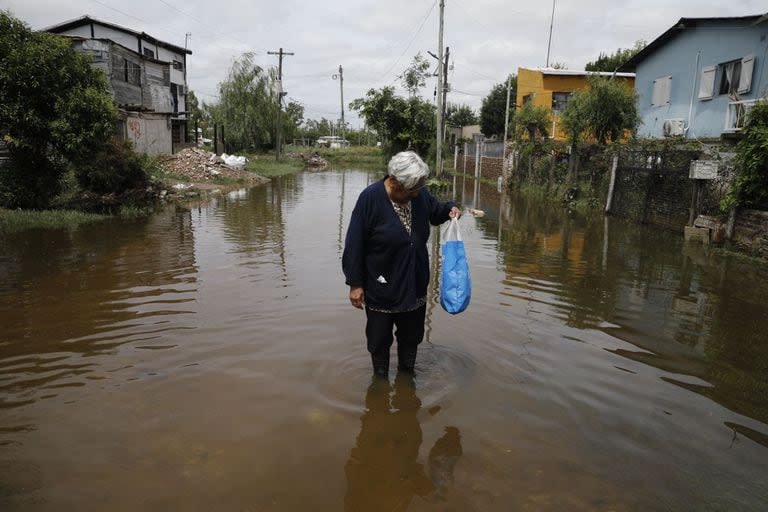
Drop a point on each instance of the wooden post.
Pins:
(216, 138)
(223, 143)
(693, 210)
(609, 200)
(196, 128)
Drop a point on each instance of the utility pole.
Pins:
(506, 120)
(551, 23)
(440, 94)
(445, 81)
(340, 77)
(280, 94)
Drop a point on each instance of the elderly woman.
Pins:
(385, 259)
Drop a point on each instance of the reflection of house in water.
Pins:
(686, 314)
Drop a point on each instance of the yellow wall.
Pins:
(542, 86)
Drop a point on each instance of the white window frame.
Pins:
(736, 115)
(707, 83)
(661, 93)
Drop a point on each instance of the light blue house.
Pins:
(699, 78)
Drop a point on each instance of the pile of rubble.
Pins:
(314, 162)
(200, 166)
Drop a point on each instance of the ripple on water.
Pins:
(440, 372)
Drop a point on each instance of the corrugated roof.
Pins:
(86, 20)
(682, 24)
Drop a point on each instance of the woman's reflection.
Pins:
(382, 471)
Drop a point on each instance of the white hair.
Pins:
(407, 168)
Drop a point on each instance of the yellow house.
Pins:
(551, 88)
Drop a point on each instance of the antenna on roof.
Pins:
(551, 23)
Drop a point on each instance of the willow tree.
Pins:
(247, 103)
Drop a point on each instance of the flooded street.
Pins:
(207, 358)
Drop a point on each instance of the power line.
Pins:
(418, 31)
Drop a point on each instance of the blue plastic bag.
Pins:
(455, 283)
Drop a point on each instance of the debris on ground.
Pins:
(314, 162)
(199, 166)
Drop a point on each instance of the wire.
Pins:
(424, 21)
(467, 93)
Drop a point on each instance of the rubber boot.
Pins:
(381, 364)
(406, 358)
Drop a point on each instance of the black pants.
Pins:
(409, 332)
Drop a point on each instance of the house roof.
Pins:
(681, 25)
(87, 20)
(573, 72)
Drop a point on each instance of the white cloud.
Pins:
(374, 41)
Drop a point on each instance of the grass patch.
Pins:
(357, 156)
(363, 157)
(265, 165)
(12, 221)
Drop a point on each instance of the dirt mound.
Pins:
(201, 166)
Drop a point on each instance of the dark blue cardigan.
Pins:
(379, 254)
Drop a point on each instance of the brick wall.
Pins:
(491, 168)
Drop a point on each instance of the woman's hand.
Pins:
(454, 213)
(357, 296)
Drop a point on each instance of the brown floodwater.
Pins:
(207, 358)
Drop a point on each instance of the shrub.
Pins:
(115, 168)
(750, 186)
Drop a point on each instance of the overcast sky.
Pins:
(375, 40)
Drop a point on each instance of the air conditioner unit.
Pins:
(674, 127)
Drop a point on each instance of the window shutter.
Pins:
(745, 80)
(662, 89)
(707, 86)
(655, 96)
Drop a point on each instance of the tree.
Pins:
(312, 128)
(246, 107)
(605, 111)
(750, 185)
(531, 121)
(493, 109)
(293, 117)
(415, 75)
(462, 115)
(612, 62)
(55, 110)
(401, 122)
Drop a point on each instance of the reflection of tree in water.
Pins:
(86, 291)
(698, 315)
(383, 472)
(256, 224)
